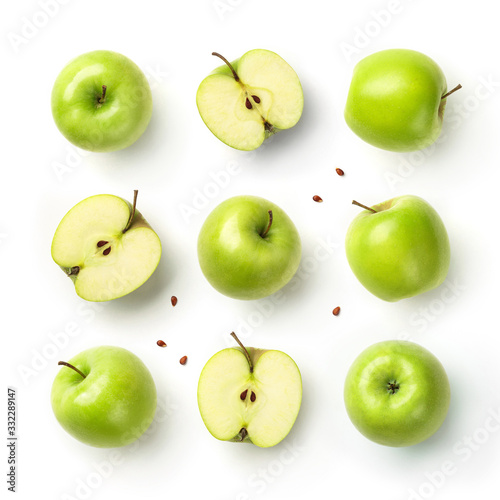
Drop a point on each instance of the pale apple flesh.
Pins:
(106, 254)
(258, 406)
(243, 112)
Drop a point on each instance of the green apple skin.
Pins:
(234, 257)
(113, 405)
(401, 251)
(395, 100)
(113, 124)
(403, 414)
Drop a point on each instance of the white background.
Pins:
(178, 168)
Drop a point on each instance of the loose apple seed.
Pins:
(317, 199)
(161, 343)
(173, 300)
(243, 395)
(183, 360)
(336, 311)
(339, 171)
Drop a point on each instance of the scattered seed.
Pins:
(183, 360)
(339, 171)
(256, 99)
(248, 104)
(336, 311)
(317, 198)
(243, 395)
(161, 343)
(253, 397)
(173, 300)
(106, 252)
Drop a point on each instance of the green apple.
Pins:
(397, 393)
(104, 397)
(250, 395)
(106, 247)
(398, 248)
(246, 101)
(248, 248)
(396, 100)
(101, 101)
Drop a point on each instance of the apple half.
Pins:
(106, 247)
(246, 101)
(250, 395)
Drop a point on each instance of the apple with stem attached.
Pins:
(396, 100)
(397, 393)
(246, 101)
(101, 101)
(250, 395)
(398, 248)
(106, 247)
(104, 397)
(248, 248)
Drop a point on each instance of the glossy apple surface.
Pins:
(113, 405)
(91, 121)
(397, 393)
(395, 100)
(236, 254)
(400, 251)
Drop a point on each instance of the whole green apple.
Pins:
(398, 248)
(245, 101)
(248, 248)
(396, 100)
(101, 101)
(397, 393)
(250, 395)
(104, 397)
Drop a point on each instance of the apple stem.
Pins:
(236, 77)
(103, 96)
(451, 91)
(264, 234)
(354, 202)
(63, 363)
(132, 214)
(244, 351)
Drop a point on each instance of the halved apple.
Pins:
(106, 247)
(250, 395)
(248, 100)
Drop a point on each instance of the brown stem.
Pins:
(236, 77)
(132, 214)
(103, 96)
(245, 352)
(63, 363)
(354, 202)
(264, 234)
(451, 91)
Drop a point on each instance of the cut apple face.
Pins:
(250, 395)
(248, 100)
(106, 247)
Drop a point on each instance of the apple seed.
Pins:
(173, 300)
(256, 99)
(183, 360)
(339, 171)
(243, 395)
(248, 104)
(106, 252)
(253, 397)
(161, 343)
(102, 243)
(317, 199)
(336, 311)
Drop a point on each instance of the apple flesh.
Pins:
(396, 100)
(397, 393)
(106, 247)
(101, 101)
(248, 248)
(250, 395)
(104, 397)
(246, 101)
(399, 248)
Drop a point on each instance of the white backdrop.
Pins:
(182, 172)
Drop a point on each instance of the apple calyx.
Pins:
(392, 387)
(242, 434)
(64, 363)
(264, 234)
(458, 87)
(73, 271)
(102, 99)
(354, 202)
(245, 352)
